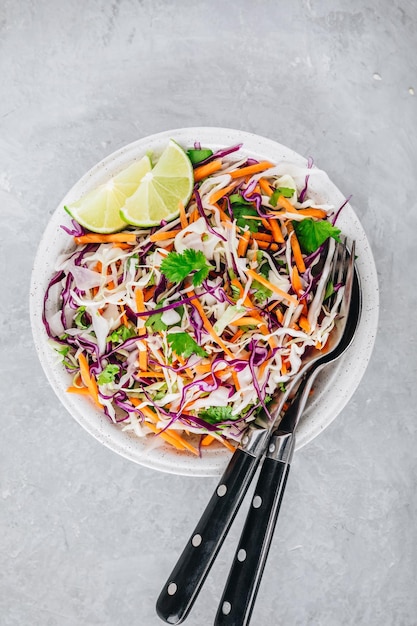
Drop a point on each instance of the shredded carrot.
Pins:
(276, 231)
(217, 195)
(151, 375)
(140, 300)
(149, 292)
(83, 391)
(243, 243)
(304, 323)
(164, 435)
(114, 238)
(143, 357)
(123, 318)
(286, 204)
(265, 186)
(235, 379)
(122, 246)
(205, 170)
(163, 236)
(88, 380)
(266, 283)
(207, 440)
(181, 441)
(207, 325)
(266, 223)
(264, 245)
(312, 212)
(262, 237)
(246, 321)
(296, 281)
(236, 336)
(296, 250)
(250, 169)
(183, 216)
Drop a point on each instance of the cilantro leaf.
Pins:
(155, 322)
(240, 209)
(121, 334)
(280, 191)
(108, 374)
(312, 234)
(184, 345)
(216, 414)
(177, 266)
(80, 318)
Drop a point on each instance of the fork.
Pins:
(183, 585)
(239, 595)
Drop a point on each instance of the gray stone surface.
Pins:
(87, 538)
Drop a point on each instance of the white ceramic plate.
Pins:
(333, 389)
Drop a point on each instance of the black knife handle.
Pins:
(187, 577)
(245, 575)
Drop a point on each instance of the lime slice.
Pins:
(99, 210)
(162, 190)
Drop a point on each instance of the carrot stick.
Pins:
(265, 186)
(266, 283)
(286, 204)
(243, 243)
(235, 380)
(207, 440)
(205, 170)
(183, 216)
(296, 250)
(139, 299)
(163, 236)
(183, 442)
(124, 317)
(151, 375)
(236, 336)
(295, 280)
(266, 224)
(304, 323)
(83, 391)
(122, 246)
(165, 436)
(208, 326)
(250, 169)
(264, 245)
(217, 195)
(276, 231)
(262, 237)
(114, 238)
(246, 321)
(312, 212)
(143, 357)
(88, 380)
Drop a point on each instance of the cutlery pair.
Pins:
(274, 443)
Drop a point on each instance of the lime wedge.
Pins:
(161, 191)
(99, 210)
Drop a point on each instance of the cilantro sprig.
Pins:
(177, 266)
(184, 345)
(216, 414)
(311, 234)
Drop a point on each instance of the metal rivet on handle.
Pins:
(221, 490)
(196, 540)
(172, 589)
(226, 608)
(256, 502)
(241, 555)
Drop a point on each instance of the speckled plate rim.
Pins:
(333, 390)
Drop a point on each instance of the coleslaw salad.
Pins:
(185, 331)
